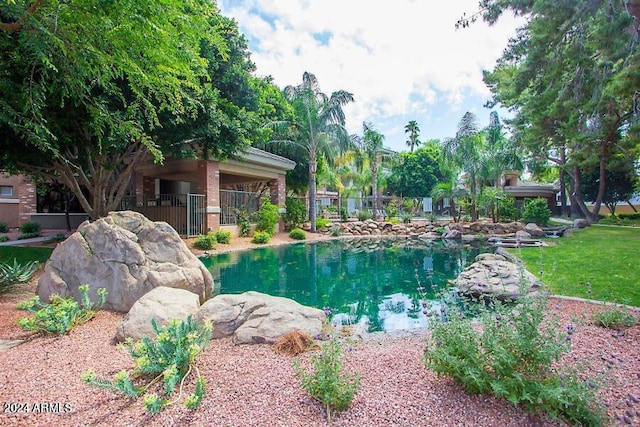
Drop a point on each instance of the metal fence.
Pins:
(184, 212)
(231, 201)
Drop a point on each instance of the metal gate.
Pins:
(196, 209)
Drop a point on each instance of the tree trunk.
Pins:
(563, 185)
(632, 207)
(312, 192)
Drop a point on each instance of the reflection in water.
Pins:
(364, 281)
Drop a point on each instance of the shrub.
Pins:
(295, 213)
(328, 384)
(4, 238)
(406, 218)
(243, 222)
(344, 215)
(261, 237)
(536, 210)
(267, 217)
(23, 236)
(205, 242)
(4, 228)
(298, 234)
(336, 230)
(171, 357)
(614, 318)
(322, 223)
(632, 216)
(60, 315)
(16, 273)
(392, 209)
(223, 237)
(507, 210)
(512, 357)
(363, 215)
(30, 228)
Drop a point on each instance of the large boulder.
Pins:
(256, 318)
(580, 223)
(533, 230)
(161, 304)
(128, 255)
(493, 276)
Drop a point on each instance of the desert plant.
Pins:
(336, 230)
(298, 234)
(4, 228)
(363, 215)
(261, 237)
(30, 227)
(11, 274)
(614, 318)
(243, 222)
(295, 213)
(267, 217)
(536, 210)
(328, 383)
(223, 237)
(205, 242)
(60, 315)
(512, 356)
(170, 358)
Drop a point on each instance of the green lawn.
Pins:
(24, 254)
(599, 263)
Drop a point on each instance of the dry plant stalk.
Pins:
(293, 343)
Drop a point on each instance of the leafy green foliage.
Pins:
(16, 273)
(344, 215)
(168, 359)
(295, 213)
(205, 242)
(614, 318)
(298, 234)
(336, 230)
(23, 236)
(267, 217)
(61, 314)
(4, 238)
(416, 173)
(243, 222)
(4, 228)
(364, 215)
(323, 222)
(223, 237)
(512, 356)
(507, 210)
(30, 228)
(328, 383)
(261, 237)
(536, 210)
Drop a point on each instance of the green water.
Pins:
(363, 281)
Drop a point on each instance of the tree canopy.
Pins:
(416, 173)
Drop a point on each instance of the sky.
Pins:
(402, 60)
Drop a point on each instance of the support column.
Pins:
(28, 201)
(208, 183)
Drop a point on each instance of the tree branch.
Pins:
(17, 26)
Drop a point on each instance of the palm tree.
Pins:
(499, 155)
(465, 152)
(371, 151)
(414, 131)
(317, 128)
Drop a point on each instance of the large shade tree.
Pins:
(316, 129)
(416, 173)
(571, 76)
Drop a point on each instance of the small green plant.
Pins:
(261, 237)
(298, 234)
(4, 238)
(336, 230)
(392, 209)
(363, 215)
(344, 215)
(267, 217)
(223, 237)
(30, 228)
(295, 213)
(60, 315)
(614, 318)
(205, 242)
(11, 274)
(322, 222)
(328, 383)
(536, 210)
(4, 228)
(512, 357)
(170, 358)
(406, 218)
(56, 239)
(243, 222)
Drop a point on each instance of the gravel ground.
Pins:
(253, 386)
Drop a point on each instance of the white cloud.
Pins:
(401, 58)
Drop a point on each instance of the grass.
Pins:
(24, 254)
(598, 263)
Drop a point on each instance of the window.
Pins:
(6, 190)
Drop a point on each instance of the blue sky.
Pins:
(402, 60)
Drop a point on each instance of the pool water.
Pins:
(371, 282)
